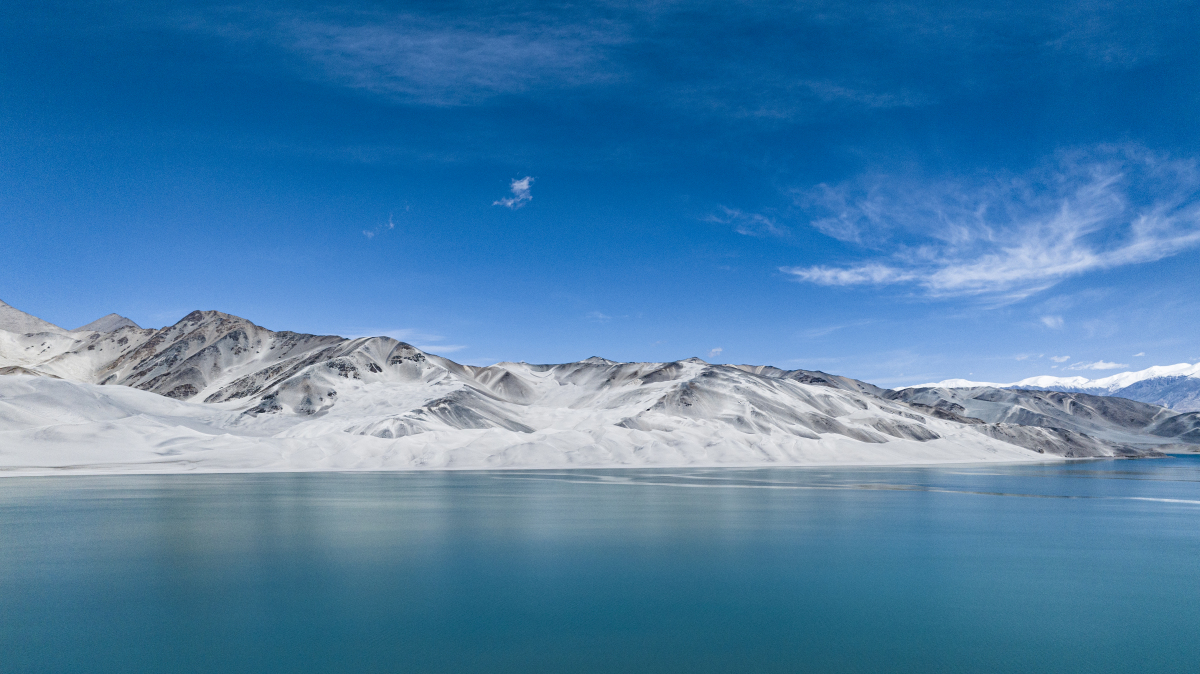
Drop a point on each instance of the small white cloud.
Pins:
(715, 352)
(1139, 355)
(521, 194)
(1098, 365)
(598, 317)
(1053, 322)
(1060, 359)
(387, 226)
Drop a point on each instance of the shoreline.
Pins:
(95, 472)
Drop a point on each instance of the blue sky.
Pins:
(899, 192)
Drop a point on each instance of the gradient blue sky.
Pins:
(899, 192)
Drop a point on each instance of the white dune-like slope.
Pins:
(215, 392)
(119, 429)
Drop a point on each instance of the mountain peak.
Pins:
(17, 321)
(109, 323)
(211, 315)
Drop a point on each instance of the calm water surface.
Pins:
(1082, 567)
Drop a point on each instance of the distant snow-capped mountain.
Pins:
(1173, 386)
(216, 392)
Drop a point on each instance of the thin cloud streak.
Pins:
(422, 340)
(1098, 365)
(440, 348)
(748, 224)
(598, 317)
(817, 333)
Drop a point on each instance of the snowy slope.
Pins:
(217, 392)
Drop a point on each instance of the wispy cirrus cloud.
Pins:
(428, 60)
(521, 194)
(834, 92)
(689, 57)
(817, 333)
(1009, 236)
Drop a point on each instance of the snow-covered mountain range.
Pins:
(1173, 386)
(215, 392)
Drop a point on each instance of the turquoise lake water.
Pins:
(1080, 567)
